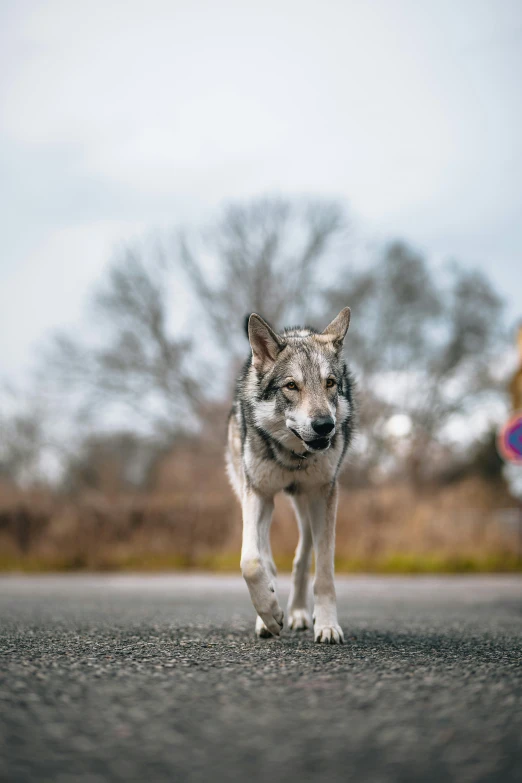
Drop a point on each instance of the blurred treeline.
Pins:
(113, 454)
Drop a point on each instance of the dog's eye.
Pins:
(291, 385)
(330, 383)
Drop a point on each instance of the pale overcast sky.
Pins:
(121, 116)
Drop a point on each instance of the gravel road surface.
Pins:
(120, 678)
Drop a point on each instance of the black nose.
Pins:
(323, 425)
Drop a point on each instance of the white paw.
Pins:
(273, 619)
(262, 593)
(261, 629)
(269, 611)
(329, 634)
(299, 619)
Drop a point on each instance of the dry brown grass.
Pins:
(181, 523)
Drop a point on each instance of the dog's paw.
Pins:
(261, 629)
(299, 619)
(263, 594)
(267, 606)
(329, 634)
(272, 621)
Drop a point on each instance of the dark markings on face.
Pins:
(271, 389)
(304, 358)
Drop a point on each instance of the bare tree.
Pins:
(22, 439)
(268, 254)
(421, 343)
(420, 346)
(134, 362)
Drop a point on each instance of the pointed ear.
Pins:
(265, 343)
(338, 328)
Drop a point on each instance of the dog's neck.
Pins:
(301, 458)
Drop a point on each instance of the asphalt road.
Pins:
(162, 679)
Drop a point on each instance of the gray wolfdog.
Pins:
(289, 429)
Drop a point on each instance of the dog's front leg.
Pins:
(257, 516)
(323, 510)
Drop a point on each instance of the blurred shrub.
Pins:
(195, 522)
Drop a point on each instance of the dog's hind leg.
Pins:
(257, 516)
(298, 603)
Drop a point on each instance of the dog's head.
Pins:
(299, 377)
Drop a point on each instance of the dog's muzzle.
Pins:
(319, 444)
(315, 444)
